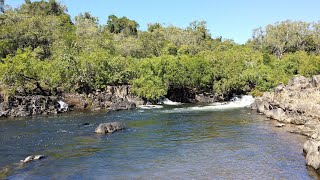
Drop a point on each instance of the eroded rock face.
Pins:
(113, 98)
(30, 105)
(297, 103)
(315, 81)
(106, 128)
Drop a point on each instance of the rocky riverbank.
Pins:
(113, 98)
(297, 103)
(21, 106)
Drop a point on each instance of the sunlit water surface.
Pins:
(182, 141)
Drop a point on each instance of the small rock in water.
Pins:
(32, 158)
(37, 157)
(280, 125)
(27, 159)
(105, 128)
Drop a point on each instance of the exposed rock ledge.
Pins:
(297, 103)
(17, 106)
(113, 98)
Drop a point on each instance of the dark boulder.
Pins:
(105, 128)
(125, 105)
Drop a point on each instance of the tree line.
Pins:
(42, 48)
(287, 37)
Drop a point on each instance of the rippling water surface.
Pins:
(171, 142)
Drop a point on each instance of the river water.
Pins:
(220, 141)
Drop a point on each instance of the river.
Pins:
(220, 141)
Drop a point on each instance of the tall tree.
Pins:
(86, 31)
(153, 27)
(282, 37)
(43, 8)
(122, 25)
(200, 27)
(258, 36)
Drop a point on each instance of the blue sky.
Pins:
(231, 19)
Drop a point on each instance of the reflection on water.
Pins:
(222, 144)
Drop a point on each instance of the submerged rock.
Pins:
(85, 124)
(105, 128)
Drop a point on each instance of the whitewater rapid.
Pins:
(167, 101)
(64, 107)
(150, 106)
(236, 102)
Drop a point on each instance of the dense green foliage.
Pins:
(287, 37)
(40, 47)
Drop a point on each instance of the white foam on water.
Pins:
(62, 131)
(150, 107)
(236, 102)
(167, 101)
(63, 106)
(242, 102)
